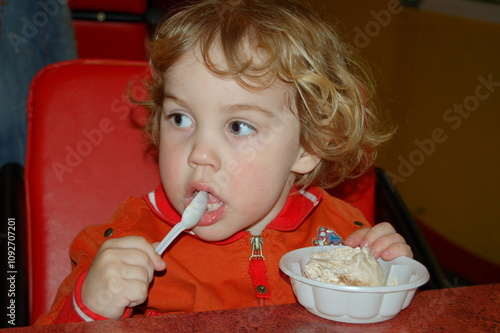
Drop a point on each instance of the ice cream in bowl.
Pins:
(349, 285)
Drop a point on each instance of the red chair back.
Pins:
(86, 154)
(114, 29)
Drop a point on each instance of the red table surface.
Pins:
(464, 309)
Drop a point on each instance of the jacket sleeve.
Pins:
(74, 310)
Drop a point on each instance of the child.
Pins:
(258, 103)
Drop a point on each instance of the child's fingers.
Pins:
(355, 238)
(375, 233)
(111, 301)
(396, 250)
(389, 245)
(136, 272)
(122, 261)
(366, 236)
(137, 292)
(145, 257)
(383, 241)
(135, 242)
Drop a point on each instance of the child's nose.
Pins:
(204, 153)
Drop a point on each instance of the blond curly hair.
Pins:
(332, 88)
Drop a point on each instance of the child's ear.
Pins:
(305, 162)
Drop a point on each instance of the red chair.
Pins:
(110, 28)
(86, 154)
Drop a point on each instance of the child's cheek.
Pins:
(253, 177)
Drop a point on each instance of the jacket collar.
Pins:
(297, 207)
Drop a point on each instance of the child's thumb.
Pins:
(159, 264)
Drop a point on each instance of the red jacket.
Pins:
(202, 275)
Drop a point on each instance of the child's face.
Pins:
(240, 146)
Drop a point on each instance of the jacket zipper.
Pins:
(256, 242)
(257, 270)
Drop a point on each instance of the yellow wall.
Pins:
(428, 66)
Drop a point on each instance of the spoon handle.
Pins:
(176, 230)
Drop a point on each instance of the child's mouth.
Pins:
(215, 209)
(214, 206)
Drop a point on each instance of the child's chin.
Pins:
(212, 234)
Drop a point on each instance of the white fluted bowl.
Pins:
(354, 304)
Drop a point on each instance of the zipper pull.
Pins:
(256, 242)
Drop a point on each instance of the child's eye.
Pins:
(181, 120)
(241, 128)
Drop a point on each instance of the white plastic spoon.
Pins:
(190, 218)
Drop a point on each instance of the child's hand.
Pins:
(382, 240)
(120, 276)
